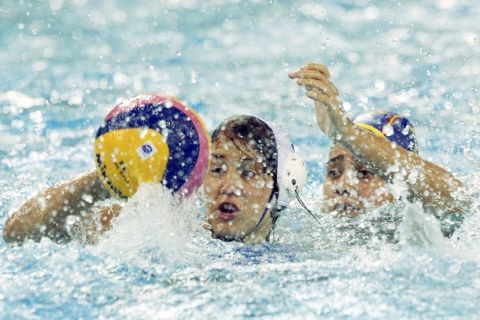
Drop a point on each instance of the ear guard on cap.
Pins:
(291, 170)
(293, 177)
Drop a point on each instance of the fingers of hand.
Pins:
(315, 71)
(308, 74)
(317, 67)
(324, 86)
(295, 74)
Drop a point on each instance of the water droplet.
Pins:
(387, 130)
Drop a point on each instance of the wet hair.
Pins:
(252, 133)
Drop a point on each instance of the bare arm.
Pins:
(431, 184)
(88, 229)
(46, 213)
(426, 181)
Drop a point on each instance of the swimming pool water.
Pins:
(65, 63)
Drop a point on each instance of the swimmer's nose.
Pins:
(231, 184)
(346, 184)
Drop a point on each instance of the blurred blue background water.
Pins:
(65, 63)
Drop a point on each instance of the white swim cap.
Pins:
(291, 169)
(291, 173)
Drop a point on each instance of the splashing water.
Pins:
(154, 219)
(66, 63)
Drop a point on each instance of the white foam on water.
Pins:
(20, 100)
(467, 237)
(154, 219)
(403, 225)
(419, 228)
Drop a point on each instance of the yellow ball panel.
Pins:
(127, 157)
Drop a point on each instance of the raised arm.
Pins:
(46, 213)
(426, 181)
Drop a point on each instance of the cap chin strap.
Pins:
(305, 207)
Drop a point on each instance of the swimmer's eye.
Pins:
(333, 173)
(248, 174)
(364, 174)
(218, 170)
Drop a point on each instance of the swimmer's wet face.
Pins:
(240, 184)
(237, 189)
(350, 188)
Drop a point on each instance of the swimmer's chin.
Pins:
(217, 228)
(224, 235)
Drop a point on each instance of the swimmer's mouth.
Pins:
(227, 211)
(346, 209)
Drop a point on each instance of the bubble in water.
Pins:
(75, 99)
(347, 106)
(87, 198)
(17, 124)
(471, 38)
(314, 10)
(446, 4)
(120, 80)
(36, 116)
(380, 85)
(388, 130)
(193, 77)
(56, 5)
(371, 13)
(38, 66)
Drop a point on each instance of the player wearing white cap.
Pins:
(253, 172)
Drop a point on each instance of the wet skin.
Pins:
(350, 188)
(237, 191)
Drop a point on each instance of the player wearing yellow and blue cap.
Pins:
(392, 126)
(351, 187)
(371, 152)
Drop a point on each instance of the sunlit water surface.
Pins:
(64, 64)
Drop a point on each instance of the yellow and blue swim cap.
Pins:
(391, 126)
(151, 138)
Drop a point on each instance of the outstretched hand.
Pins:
(316, 80)
(436, 188)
